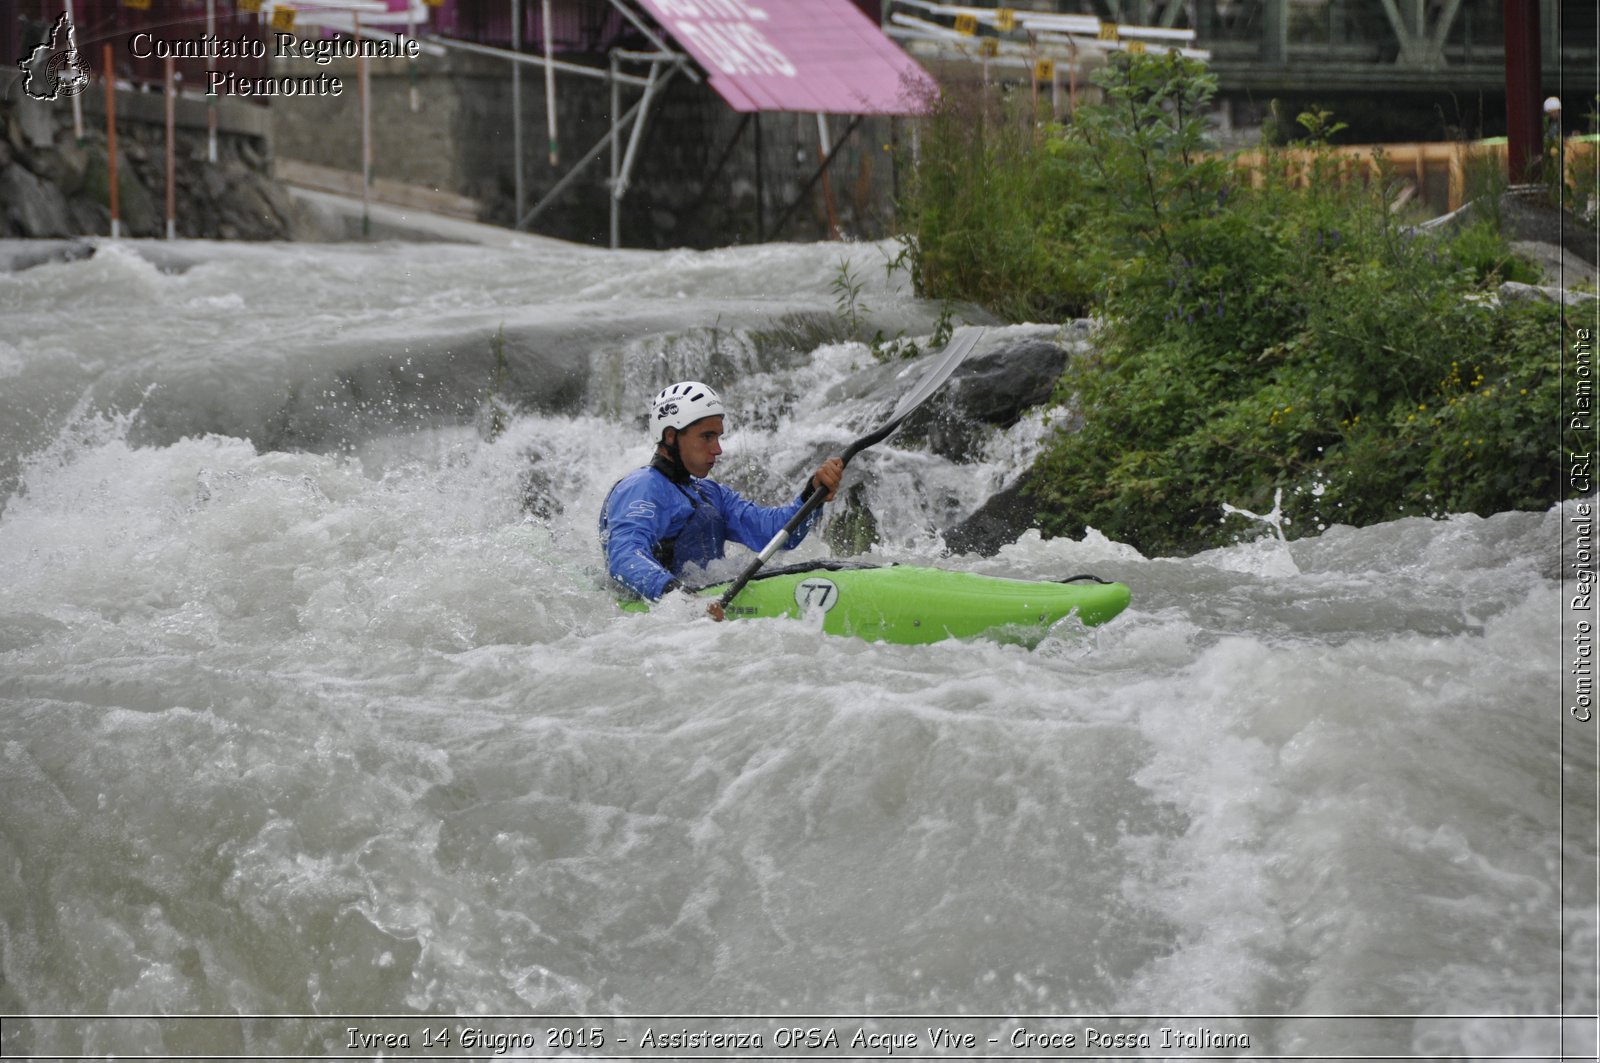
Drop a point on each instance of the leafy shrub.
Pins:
(995, 212)
(1289, 337)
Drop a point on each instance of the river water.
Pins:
(313, 702)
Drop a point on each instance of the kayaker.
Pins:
(668, 515)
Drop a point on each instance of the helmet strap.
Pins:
(669, 460)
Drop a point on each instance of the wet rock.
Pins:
(32, 207)
(989, 391)
(17, 255)
(89, 218)
(1524, 215)
(249, 210)
(137, 205)
(537, 492)
(1561, 267)
(853, 529)
(999, 387)
(54, 184)
(70, 165)
(35, 124)
(996, 523)
(1513, 291)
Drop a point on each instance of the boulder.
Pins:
(1518, 292)
(1523, 214)
(1561, 267)
(142, 214)
(18, 255)
(36, 123)
(989, 391)
(1528, 217)
(996, 523)
(32, 207)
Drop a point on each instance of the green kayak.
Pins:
(912, 604)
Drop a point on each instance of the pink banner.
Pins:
(820, 56)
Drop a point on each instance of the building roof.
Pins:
(821, 56)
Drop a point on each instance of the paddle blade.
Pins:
(955, 352)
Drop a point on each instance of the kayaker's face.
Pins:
(699, 444)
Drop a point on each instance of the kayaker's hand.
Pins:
(678, 590)
(828, 475)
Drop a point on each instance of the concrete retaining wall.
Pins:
(445, 124)
(54, 185)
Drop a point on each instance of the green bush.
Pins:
(994, 209)
(1290, 337)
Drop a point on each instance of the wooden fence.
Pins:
(1435, 173)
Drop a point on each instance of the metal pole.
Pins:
(111, 138)
(172, 151)
(821, 173)
(211, 97)
(616, 158)
(827, 182)
(1523, 143)
(644, 28)
(516, 107)
(77, 104)
(534, 60)
(550, 87)
(1072, 81)
(577, 168)
(761, 214)
(411, 64)
(621, 187)
(366, 131)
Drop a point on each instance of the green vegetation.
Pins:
(851, 314)
(1288, 334)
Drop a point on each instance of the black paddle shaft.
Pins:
(954, 353)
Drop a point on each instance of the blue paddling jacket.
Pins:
(658, 519)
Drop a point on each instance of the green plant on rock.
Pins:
(847, 286)
(1291, 337)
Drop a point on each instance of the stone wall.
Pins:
(445, 124)
(52, 184)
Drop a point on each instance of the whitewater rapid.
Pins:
(313, 700)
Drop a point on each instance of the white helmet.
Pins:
(681, 405)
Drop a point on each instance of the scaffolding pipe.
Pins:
(550, 86)
(77, 104)
(172, 150)
(111, 138)
(411, 64)
(600, 145)
(366, 133)
(564, 67)
(654, 38)
(516, 107)
(211, 97)
(821, 171)
(761, 212)
(620, 189)
(615, 204)
(827, 182)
